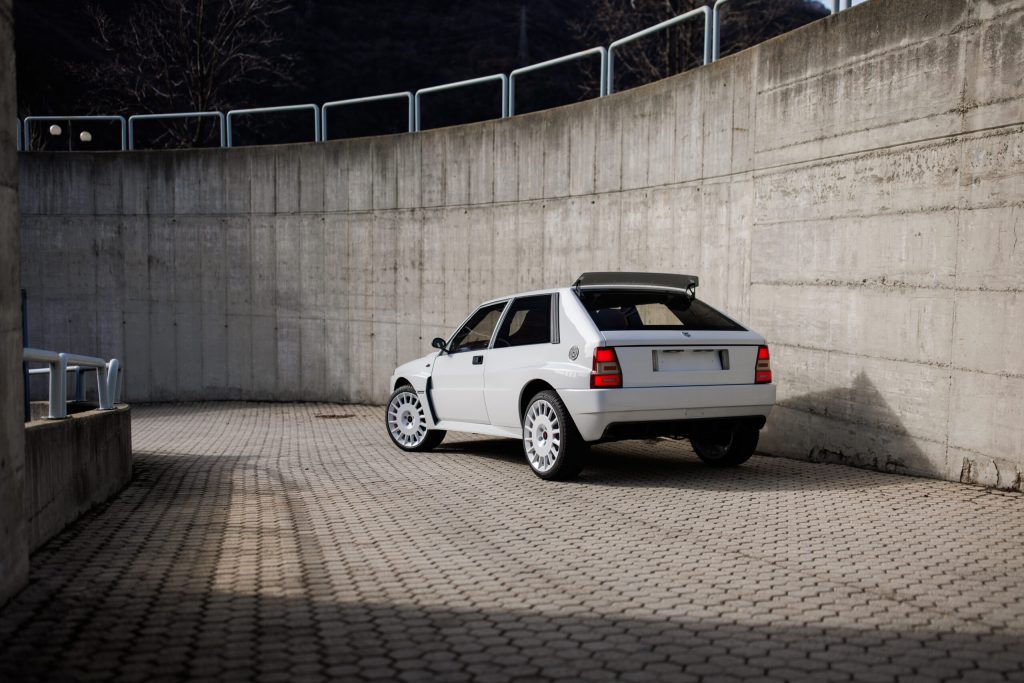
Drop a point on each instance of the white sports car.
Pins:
(615, 356)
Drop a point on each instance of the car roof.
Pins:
(521, 294)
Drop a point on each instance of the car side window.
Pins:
(476, 333)
(528, 322)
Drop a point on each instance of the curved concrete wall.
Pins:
(853, 189)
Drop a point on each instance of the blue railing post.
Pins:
(177, 115)
(462, 84)
(703, 10)
(602, 85)
(361, 100)
(268, 110)
(27, 128)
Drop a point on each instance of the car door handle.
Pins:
(478, 360)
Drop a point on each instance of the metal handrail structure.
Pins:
(712, 52)
(76, 371)
(502, 78)
(177, 115)
(58, 394)
(27, 127)
(363, 100)
(700, 11)
(716, 29)
(602, 88)
(108, 378)
(270, 110)
(716, 25)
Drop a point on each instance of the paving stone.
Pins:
(260, 542)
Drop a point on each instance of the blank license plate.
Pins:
(687, 360)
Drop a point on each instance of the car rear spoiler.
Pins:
(686, 283)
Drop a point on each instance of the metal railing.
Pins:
(712, 52)
(700, 11)
(108, 378)
(363, 100)
(75, 371)
(602, 87)
(502, 78)
(269, 110)
(177, 115)
(716, 25)
(29, 120)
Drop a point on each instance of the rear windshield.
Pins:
(651, 309)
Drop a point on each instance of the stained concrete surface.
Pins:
(73, 465)
(854, 190)
(295, 542)
(13, 548)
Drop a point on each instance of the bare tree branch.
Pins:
(744, 24)
(184, 55)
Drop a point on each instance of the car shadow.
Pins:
(855, 426)
(507, 450)
(672, 464)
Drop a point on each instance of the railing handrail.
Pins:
(712, 52)
(267, 110)
(27, 143)
(462, 84)
(108, 378)
(175, 115)
(602, 86)
(362, 100)
(702, 10)
(716, 25)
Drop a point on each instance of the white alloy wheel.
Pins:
(542, 435)
(406, 420)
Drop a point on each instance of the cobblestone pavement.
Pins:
(293, 542)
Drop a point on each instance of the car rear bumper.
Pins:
(593, 410)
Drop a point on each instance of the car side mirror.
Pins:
(438, 343)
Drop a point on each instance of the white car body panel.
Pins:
(668, 375)
(593, 410)
(458, 387)
(476, 428)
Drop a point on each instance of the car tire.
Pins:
(552, 445)
(725, 446)
(406, 422)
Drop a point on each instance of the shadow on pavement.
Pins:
(670, 463)
(244, 636)
(242, 561)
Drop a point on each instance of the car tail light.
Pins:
(606, 374)
(763, 369)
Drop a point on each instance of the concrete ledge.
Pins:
(72, 465)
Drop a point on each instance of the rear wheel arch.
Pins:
(402, 382)
(532, 388)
